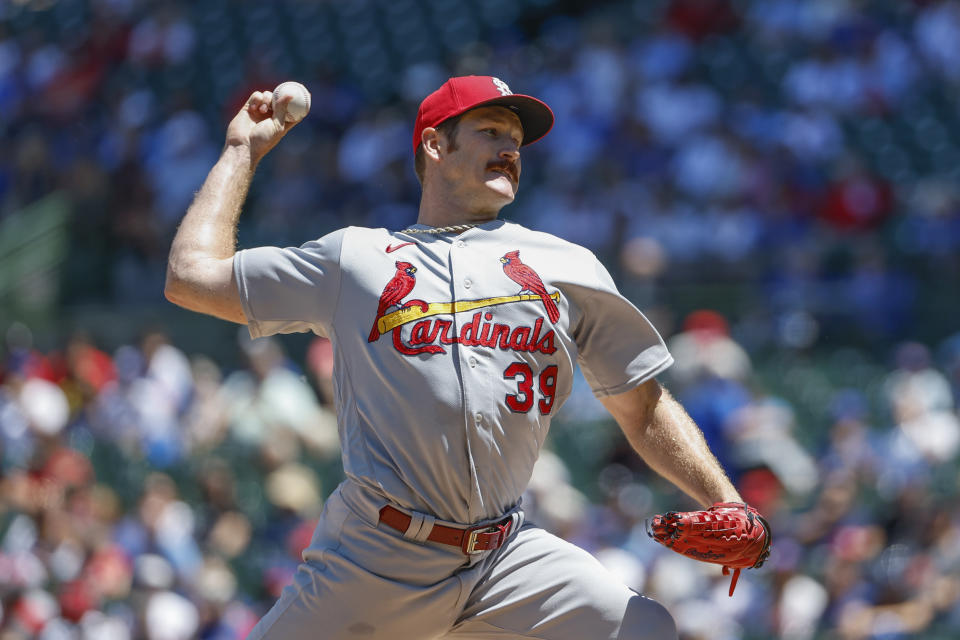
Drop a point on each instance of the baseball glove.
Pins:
(731, 534)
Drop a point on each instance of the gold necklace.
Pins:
(456, 228)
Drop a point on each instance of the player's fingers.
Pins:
(259, 103)
(265, 106)
(280, 110)
(253, 105)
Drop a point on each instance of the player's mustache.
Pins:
(506, 166)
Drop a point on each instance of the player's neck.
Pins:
(440, 208)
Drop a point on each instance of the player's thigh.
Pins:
(362, 582)
(544, 587)
(317, 606)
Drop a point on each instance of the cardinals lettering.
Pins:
(426, 336)
(414, 335)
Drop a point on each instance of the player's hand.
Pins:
(257, 126)
(731, 534)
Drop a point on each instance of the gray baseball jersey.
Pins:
(452, 353)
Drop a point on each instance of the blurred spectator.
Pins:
(857, 200)
(922, 406)
(699, 18)
(761, 438)
(937, 33)
(178, 155)
(710, 372)
(674, 111)
(162, 37)
(269, 398)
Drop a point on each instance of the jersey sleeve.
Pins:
(290, 290)
(619, 348)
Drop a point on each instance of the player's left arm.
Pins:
(666, 437)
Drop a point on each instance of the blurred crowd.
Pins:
(145, 494)
(148, 494)
(791, 164)
(807, 149)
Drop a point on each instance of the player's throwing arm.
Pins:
(200, 267)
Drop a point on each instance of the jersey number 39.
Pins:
(522, 400)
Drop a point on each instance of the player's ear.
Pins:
(432, 142)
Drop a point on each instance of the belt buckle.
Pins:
(470, 543)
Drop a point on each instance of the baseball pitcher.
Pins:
(455, 341)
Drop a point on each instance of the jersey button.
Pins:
(467, 283)
(461, 244)
(473, 362)
(478, 417)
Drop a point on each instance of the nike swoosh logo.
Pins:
(390, 248)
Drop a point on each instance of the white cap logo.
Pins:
(502, 87)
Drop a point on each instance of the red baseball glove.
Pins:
(731, 534)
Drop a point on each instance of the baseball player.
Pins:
(455, 342)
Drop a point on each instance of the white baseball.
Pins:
(299, 106)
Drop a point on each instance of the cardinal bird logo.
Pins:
(396, 290)
(528, 280)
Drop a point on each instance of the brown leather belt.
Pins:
(471, 540)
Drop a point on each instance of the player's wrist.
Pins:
(239, 155)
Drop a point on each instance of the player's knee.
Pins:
(647, 619)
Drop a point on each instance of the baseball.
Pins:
(299, 106)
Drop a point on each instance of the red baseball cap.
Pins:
(459, 95)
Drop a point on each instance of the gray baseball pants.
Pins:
(359, 581)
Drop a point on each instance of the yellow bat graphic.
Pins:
(412, 313)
